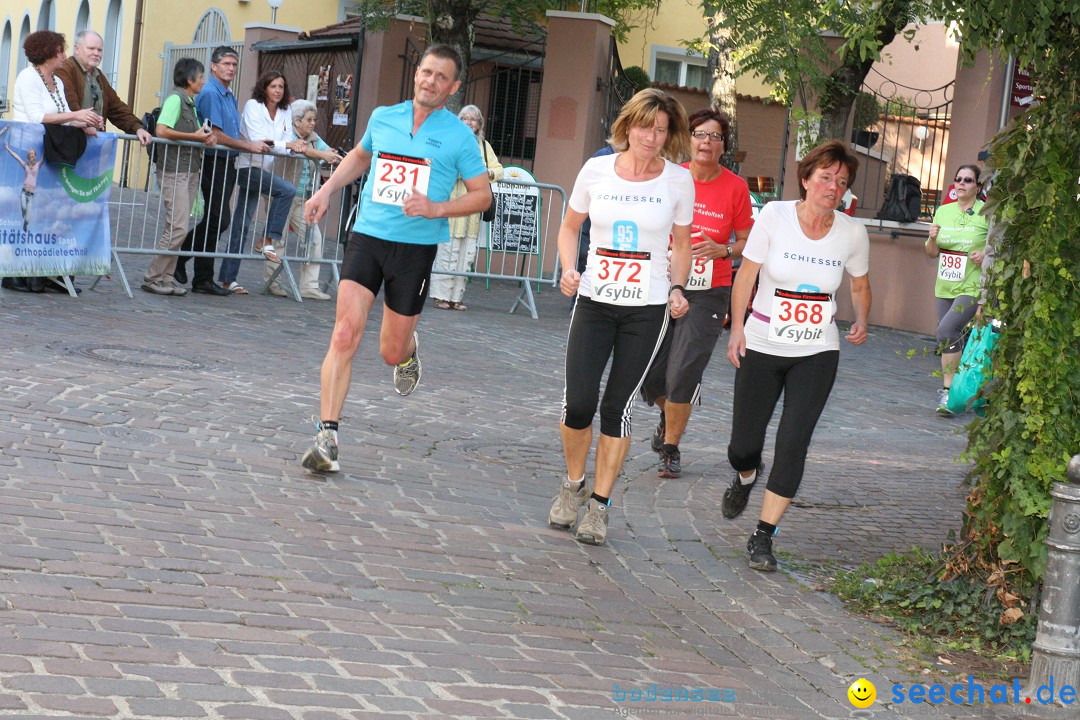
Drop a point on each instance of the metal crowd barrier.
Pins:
(520, 245)
(521, 242)
(137, 217)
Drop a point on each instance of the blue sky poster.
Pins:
(54, 219)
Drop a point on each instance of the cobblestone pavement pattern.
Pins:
(162, 554)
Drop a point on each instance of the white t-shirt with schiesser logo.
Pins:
(797, 266)
(631, 225)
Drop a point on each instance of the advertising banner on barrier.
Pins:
(54, 219)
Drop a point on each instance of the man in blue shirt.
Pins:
(415, 151)
(217, 104)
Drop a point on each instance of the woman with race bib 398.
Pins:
(798, 251)
(958, 239)
(636, 199)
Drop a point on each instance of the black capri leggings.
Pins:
(598, 331)
(953, 316)
(806, 383)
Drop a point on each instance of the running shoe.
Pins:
(592, 529)
(323, 455)
(670, 462)
(659, 434)
(943, 402)
(760, 548)
(407, 376)
(564, 510)
(738, 494)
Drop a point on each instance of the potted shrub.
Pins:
(867, 113)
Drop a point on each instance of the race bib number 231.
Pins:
(397, 175)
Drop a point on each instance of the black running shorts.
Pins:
(688, 346)
(405, 267)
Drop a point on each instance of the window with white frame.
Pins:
(5, 60)
(110, 63)
(21, 62)
(82, 21)
(674, 66)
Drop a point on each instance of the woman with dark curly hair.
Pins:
(39, 98)
(266, 118)
(39, 94)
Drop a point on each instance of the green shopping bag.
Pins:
(973, 372)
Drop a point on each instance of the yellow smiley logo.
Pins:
(862, 693)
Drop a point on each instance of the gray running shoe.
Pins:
(564, 510)
(670, 462)
(943, 402)
(738, 494)
(593, 527)
(760, 548)
(323, 455)
(407, 377)
(658, 435)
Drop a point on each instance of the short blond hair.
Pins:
(641, 111)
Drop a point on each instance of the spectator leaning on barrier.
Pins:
(266, 118)
(298, 172)
(178, 169)
(39, 98)
(217, 104)
(85, 86)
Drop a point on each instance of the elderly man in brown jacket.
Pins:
(85, 86)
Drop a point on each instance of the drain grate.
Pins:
(129, 435)
(539, 460)
(138, 357)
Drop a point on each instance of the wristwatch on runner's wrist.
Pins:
(673, 288)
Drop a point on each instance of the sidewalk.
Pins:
(162, 554)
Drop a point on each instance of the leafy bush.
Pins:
(967, 612)
(638, 77)
(867, 111)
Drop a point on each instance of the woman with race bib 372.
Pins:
(636, 199)
(798, 251)
(958, 239)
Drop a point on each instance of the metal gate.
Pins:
(212, 31)
(333, 66)
(910, 136)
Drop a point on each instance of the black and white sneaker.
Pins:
(738, 494)
(760, 548)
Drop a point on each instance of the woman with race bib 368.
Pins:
(958, 239)
(636, 199)
(798, 251)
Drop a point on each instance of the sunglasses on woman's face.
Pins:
(964, 180)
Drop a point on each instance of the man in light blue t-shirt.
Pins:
(413, 153)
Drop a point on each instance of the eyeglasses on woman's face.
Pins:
(964, 180)
(702, 134)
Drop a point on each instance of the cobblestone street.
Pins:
(163, 555)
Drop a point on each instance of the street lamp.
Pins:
(921, 133)
(274, 5)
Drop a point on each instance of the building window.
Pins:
(82, 22)
(213, 28)
(46, 15)
(513, 109)
(673, 66)
(110, 63)
(22, 62)
(5, 61)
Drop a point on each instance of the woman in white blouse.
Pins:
(39, 95)
(39, 98)
(266, 118)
